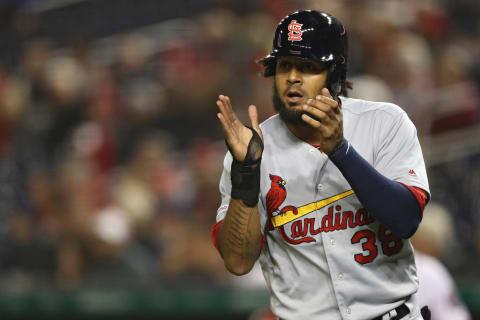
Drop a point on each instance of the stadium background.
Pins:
(110, 151)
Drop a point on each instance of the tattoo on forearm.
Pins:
(238, 236)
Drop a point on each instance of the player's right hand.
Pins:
(236, 133)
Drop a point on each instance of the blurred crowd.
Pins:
(110, 150)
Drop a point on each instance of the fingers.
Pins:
(231, 125)
(318, 110)
(227, 118)
(327, 98)
(321, 109)
(222, 108)
(314, 122)
(222, 116)
(326, 93)
(323, 113)
(327, 131)
(226, 109)
(225, 100)
(236, 134)
(223, 122)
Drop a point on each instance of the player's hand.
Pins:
(236, 133)
(324, 114)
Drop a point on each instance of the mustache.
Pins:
(288, 116)
(296, 88)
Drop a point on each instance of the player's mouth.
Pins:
(293, 97)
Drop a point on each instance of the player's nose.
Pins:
(294, 76)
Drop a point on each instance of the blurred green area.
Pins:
(177, 303)
(185, 303)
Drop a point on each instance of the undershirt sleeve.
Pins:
(393, 204)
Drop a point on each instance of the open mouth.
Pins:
(294, 97)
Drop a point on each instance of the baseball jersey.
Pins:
(325, 256)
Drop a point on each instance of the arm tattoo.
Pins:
(238, 237)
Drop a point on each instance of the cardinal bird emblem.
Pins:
(275, 197)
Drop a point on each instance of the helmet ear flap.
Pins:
(334, 81)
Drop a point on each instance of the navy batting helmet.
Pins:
(312, 35)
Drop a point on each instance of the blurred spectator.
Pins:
(437, 289)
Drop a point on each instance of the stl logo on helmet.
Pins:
(295, 29)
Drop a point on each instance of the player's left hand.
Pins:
(325, 116)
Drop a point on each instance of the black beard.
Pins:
(290, 116)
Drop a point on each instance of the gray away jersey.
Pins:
(325, 257)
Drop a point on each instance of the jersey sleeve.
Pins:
(225, 187)
(398, 154)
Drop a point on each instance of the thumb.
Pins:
(253, 114)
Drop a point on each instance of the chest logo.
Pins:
(276, 196)
(295, 31)
(278, 216)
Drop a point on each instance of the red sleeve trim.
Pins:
(214, 232)
(420, 195)
(262, 242)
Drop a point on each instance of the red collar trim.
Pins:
(317, 146)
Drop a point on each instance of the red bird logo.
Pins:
(275, 197)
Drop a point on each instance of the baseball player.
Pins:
(327, 192)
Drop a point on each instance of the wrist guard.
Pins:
(245, 174)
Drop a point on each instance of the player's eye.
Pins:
(307, 67)
(284, 65)
(311, 68)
